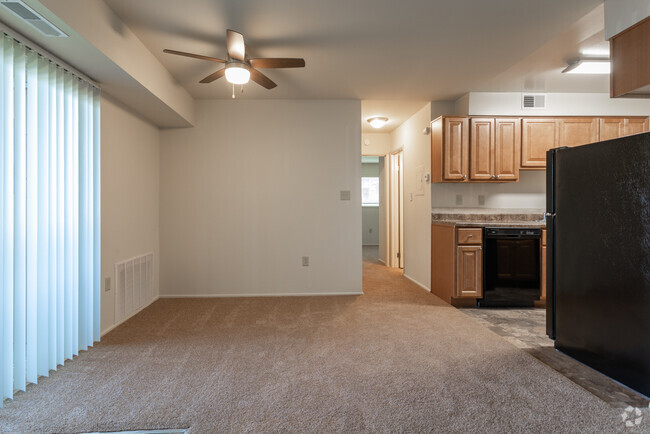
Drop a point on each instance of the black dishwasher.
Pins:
(511, 267)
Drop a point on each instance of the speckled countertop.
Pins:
(494, 217)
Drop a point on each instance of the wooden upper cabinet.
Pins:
(481, 149)
(611, 128)
(577, 131)
(630, 56)
(494, 149)
(538, 136)
(450, 149)
(615, 127)
(507, 146)
(455, 148)
(635, 126)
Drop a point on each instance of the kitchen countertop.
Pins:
(492, 217)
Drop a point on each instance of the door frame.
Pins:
(396, 209)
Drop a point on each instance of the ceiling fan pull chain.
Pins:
(233, 91)
(242, 88)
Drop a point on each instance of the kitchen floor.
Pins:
(526, 329)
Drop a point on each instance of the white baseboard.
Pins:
(417, 283)
(296, 294)
(382, 261)
(129, 317)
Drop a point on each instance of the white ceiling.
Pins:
(414, 50)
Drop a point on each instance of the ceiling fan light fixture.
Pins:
(237, 73)
(377, 121)
(588, 66)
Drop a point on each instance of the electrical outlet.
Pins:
(459, 199)
(481, 199)
(107, 284)
(305, 261)
(345, 194)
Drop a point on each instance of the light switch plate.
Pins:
(107, 284)
(481, 199)
(459, 199)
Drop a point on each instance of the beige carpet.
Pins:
(394, 359)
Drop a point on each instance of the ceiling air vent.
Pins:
(533, 101)
(31, 17)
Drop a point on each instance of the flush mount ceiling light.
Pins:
(377, 121)
(237, 73)
(588, 66)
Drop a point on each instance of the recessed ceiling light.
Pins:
(588, 66)
(377, 121)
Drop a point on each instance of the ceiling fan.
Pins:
(239, 68)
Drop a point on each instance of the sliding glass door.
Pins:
(49, 216)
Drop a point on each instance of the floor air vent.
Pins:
(33, 18)
(533, 101)
(133, 286)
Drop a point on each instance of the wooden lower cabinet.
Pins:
(469, 266)
(457, 264)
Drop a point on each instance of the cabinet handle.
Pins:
(498, 176)
(470, 236)
(464, 176)
(480, 248)
(493, 176)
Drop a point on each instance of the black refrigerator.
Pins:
(598, 263)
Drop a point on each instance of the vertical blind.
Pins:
(49, 216)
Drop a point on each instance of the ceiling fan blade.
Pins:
(212, 77)
(196, 56)
(261, 79)
(277, 63)
(236, 46)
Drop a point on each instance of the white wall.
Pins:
(557, 104)
(130, 195)
(417, 206)
(252, 188)
(113, 55)
(370, 214)
(621, 14)
(375, 144)
(528, 193)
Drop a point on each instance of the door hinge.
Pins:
(399, 254)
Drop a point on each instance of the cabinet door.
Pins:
(611, 128)
(577, 131)
(481, 149)
(539, 135)
(455, 149)
(635, 126)
(469, 267)
(507, 144)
